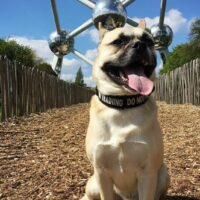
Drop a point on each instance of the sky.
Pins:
(30, 22)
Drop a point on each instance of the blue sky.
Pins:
(30, 22)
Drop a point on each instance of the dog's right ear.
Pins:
(102, 31)
(142, 24)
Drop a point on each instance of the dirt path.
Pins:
(43, 156)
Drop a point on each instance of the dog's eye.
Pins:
(145, 38)
(121, 41)
(149, 42)
(118, 42)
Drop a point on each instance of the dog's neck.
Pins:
(122, 102)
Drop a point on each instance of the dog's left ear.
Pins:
(102, 31)
(142, 24)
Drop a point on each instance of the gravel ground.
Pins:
(43, 156)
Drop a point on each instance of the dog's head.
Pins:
(126, 61)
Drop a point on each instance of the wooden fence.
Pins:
(25, 90)
(181, 85)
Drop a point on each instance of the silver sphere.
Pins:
(162, 37)
(61, 44)
(111, 13)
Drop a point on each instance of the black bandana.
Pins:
(122, 102)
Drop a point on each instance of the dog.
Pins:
(124, 141)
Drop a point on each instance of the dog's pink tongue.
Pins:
(139, 82)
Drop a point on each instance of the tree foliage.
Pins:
(47, 68)
(20, 53)
(184, 53)
(24, 55)
(79, 78)
(195, 31)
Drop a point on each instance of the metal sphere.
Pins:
(110, 13)
(162, 37)
(61, 44)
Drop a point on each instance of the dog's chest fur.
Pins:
(122, 142)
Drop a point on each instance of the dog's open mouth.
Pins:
(134, 76)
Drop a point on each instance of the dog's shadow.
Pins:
(180, 198)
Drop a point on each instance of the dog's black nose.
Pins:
(139, 46)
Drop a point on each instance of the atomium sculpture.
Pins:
(112, 14)
(162, 34)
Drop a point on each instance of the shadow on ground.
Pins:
(181, 198)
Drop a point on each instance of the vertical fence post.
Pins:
(180, 85)
(24, 90)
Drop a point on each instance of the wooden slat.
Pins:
(2, 85)
(25, 90)
(181, 85)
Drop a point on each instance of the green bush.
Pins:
(24, 55)
(184, 53)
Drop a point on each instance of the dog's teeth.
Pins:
(122, 76)
(145, 62)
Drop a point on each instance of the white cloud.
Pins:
(89, 81)
(70, 63)
(92, 33)
(69, 67)
(173, 18)
(69, 74)
(53, 35)
(91, 54)
(68, 77)
(40, 46)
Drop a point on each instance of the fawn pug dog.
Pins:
(124, 142)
